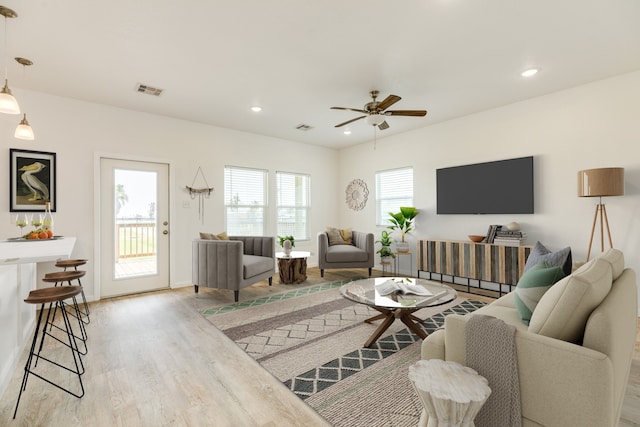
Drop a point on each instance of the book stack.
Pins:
(509, 238)
(491, 233)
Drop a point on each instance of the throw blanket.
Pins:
(491, 351)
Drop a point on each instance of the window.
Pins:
(245, 201)
(394, 188)
(293, 205)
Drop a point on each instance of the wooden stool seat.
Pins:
(63, 276)
(66, 263)
(53, 296)
(47, 295)
(74, 263)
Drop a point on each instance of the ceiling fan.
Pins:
(375, 112)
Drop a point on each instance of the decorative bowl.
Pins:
(476, 238)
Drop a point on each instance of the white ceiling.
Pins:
(215, 59)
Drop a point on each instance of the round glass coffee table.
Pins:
(396, 304)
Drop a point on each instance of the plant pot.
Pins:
(402, 247)
(386, 260)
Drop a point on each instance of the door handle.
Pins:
(165, 231)
(165, 223)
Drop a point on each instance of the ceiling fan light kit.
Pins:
(375, 112)
(374, 119)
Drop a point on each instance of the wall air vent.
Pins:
(149, 90)
(304, 127)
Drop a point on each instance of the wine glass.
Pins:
(36, 220)
(22, 220)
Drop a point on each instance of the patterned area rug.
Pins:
(311, 339)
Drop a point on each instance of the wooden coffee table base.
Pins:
(389, 315)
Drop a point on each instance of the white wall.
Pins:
(591, 126)
(78, 131)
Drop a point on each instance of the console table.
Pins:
(473, 261)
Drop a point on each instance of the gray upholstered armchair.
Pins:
(359, 254)
(232, 264)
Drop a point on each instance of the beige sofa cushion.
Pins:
(563, 310)
(616, 259)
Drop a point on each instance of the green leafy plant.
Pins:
(281, 239)
(403, 220)
(385, 245)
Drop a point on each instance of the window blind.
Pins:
(245, 200)
(394, 188)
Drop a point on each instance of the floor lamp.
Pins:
(600, 183)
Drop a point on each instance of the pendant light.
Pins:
(24, 131)
(8, 103)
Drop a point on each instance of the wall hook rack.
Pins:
(200, 193)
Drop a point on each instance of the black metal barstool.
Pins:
(58, 278)
(55, 295)
(75, 263)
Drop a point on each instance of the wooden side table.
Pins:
(452, 394)
(292, 268)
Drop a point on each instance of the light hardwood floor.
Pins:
(155, 361)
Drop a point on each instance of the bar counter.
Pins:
(18, 270)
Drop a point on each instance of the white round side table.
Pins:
(452, 394)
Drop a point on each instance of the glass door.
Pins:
(134, 226)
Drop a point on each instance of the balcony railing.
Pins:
(135, 238)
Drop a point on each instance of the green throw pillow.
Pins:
(532, 286)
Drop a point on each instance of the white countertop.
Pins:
(27, 251)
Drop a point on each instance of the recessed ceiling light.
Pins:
(256, 109)
(530, 72)
(347, 132)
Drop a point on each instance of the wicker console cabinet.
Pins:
(482, 262)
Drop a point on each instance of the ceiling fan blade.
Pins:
(384, 125)
(350, 109)
(416, 113)
(388, 102)
(350, 121)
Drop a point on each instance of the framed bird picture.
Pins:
(33, 180)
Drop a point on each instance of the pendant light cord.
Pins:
(6, 54)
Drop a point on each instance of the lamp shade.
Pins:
(601, 182)
(375, 119)
(8, 103)
(24, 131)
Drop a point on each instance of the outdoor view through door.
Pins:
(134, 227)
(135, 223)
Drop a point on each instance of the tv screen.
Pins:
(501, 187)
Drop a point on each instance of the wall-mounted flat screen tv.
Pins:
(500, 187)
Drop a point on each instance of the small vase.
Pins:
(286, 246)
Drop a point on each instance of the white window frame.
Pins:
(394, 188)
(245, 181)
(299, 202)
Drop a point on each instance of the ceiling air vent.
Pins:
(304, 127)
(149, 90)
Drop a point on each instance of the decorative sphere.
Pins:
(513, 226)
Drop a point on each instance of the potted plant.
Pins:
(403, 221)
(386, 254)
(287, 242)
